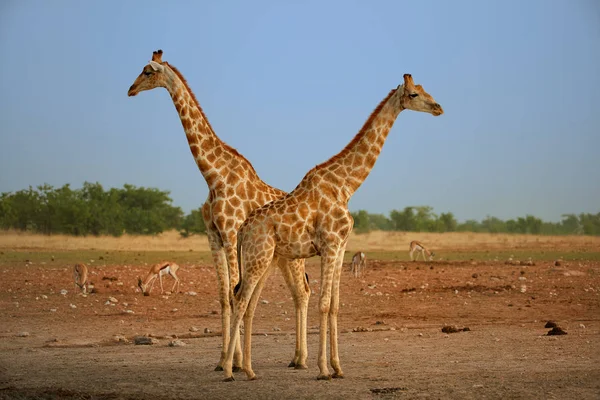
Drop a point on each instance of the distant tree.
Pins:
(590, 223)
(380, 222)
(193, 224)
(469, 225)
(361, 221)
(447, 222)
(571, 225)
(404, 220)
(493, 225)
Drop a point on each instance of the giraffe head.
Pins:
(413, 97)
(153, 75)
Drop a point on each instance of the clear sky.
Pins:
(289, 84)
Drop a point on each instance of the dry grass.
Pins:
(167, 241)
(373, 241)
(467, 241)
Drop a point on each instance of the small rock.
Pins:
(450, 329)
(206, 330)
(193, 329)
(582, 326)
(214, 312)
(190, 293)
(550, 324)
(174, 310)
(557, 263)
(144, 340)
(44, 296)
(523, 288)
(177, 343)
(72, 306)
(264, 301)
(557, 330)
(64, 292)
(120, 339)
(22, 334)
(129, 311)
(276, 329)
(379, 323)
(113, 300)
(475, 275)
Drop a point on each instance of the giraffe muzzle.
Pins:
(132, 92)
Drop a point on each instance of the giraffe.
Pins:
(314, 219)
(234, 191)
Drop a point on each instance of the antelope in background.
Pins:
(359, 262)
(157, 271)
(80, 275)
(420, 249)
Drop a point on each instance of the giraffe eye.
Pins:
(147, 73)
(413, 95)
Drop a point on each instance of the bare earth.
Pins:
(69, 346)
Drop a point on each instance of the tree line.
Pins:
(423, 219)
(92, 210)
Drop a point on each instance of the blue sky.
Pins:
(290, 83)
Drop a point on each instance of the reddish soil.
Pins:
(391, 343)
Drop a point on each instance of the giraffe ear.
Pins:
(156, 66)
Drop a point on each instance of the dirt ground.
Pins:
(57, 345)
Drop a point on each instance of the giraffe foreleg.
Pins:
(230, 247)
(220, 262)
(328, 262)
(333, 315)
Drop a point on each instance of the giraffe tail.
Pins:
(237, 288)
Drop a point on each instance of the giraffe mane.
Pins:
(357, 137)
(193, 96)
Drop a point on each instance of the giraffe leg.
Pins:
(294, 274)
(255, 274)
(248, 317)
(230, 246)
(328, 261)
(333, 315)
(160, 280)
(218, 254)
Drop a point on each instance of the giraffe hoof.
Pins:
(253, 377)
(338, 376)
(324, 377)
(229, 379)
(236, 369)
(218, 368)
(292, 364)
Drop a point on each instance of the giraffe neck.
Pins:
(349, 168)
(212, 155)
